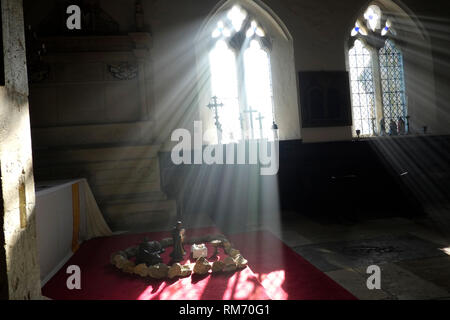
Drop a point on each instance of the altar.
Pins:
(66, 215)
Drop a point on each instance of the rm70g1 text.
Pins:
(243, 309)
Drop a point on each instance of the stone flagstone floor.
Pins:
(410, 254)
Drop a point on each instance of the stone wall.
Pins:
(18, 219)
(320, 30)
(3, 275)
(91, 80)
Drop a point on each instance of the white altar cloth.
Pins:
(55, 222)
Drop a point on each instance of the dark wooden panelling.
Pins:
(329, 181)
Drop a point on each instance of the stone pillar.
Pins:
(19, 266)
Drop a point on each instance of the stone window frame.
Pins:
(238, 44)
(373, 42)
(282, 68)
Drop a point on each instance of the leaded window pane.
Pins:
(362, 86)
(258, 88)
(392, 83)
(224, 86)
(241, 77)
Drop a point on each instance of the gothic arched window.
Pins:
(376, 75)
(240, 73)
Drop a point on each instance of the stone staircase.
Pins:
(125, 180)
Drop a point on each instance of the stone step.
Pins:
(121, 189)
(126, 176)
(116, 210)
(85, 155)
(124, 179)
(134, 214)
(140, 173)
(133, 198)
(101, 165)
(133, 132)
(144, 221)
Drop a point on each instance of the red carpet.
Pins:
(275, 271)
(101, 280)
(285, 274)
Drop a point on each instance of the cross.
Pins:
(250, 110)
(214, 105)
(374, 129)
(241, 119)
(260, 118)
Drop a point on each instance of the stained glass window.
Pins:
(224, 85)
(362, 87)
(258, 88)
(392, 83)
(376, 74)
(241, 77)
(373, 17)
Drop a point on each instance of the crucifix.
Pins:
(215, 105)
(250, 110)
(241, 120)
(374, 128)
(260, 118)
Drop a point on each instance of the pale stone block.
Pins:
(199, 250)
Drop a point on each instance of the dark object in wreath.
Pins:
(178, 238)
(148, 253)
(325, 98)
(131, 251)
